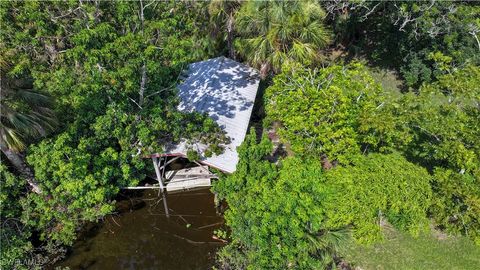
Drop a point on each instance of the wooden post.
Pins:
(160, 182)
(166, 163)
(157, 172)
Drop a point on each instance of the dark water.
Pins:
(141, 237)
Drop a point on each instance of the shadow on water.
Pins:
(139, 236)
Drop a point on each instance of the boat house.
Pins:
(225, 90)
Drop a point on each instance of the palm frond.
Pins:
(289, 31)
(26, 114)
(32, 98)
(11, 139)
(325, 244)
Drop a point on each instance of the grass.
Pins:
(388, 79)
(402, 251)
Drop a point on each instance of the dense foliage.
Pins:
(444, 120)
(349, 114)
(295, 215)
(14, 235)
(349, 167)
(421, 39)
(112, 68)
(275, 32)
(379, 187)
(456, 205)
(88, 90)
(341, 102)
(276, 214)
(442, 124)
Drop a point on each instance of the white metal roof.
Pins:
(226, 90)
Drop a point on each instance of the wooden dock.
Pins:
(177, 180)
(186, 179)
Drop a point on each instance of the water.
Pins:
(141, 237)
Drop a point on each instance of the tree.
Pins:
(329, 111)
(274, 32)
(26, 114)
(444, 117)
(405, 34)
(275, 214)
(14, 235)
(375, 188)
(295, 214)
(456, 204)
(349, 115)
(437, 127)
(112, 68)
(223, 19)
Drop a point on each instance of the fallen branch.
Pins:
(198, 243)
(210, 225)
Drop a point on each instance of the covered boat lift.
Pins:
(226, 91)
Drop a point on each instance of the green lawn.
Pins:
(388, 79)
(402, 251)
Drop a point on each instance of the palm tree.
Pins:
(25, 114)
(222, 15)
(274, 32)
(325, 245)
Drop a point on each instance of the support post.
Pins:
(160, 182)
(157, 172)
(166, 163)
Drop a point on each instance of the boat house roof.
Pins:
(226, 90)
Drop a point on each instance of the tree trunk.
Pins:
(26, 172)
(143, 81)
(231, 50)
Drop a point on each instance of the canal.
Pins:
(140, 236)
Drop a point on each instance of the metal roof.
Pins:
(226, 90)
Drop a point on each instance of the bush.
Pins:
(276, 214)
(378, 186)
(456, 202)
(14, 237)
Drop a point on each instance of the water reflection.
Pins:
(141, 237)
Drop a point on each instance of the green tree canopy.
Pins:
(112, 68)
(349, 114)
(296, 214)
(276, 214)
(421, 39)
(275, 32)
(330, 111)
(14, 234)
(376, 187)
